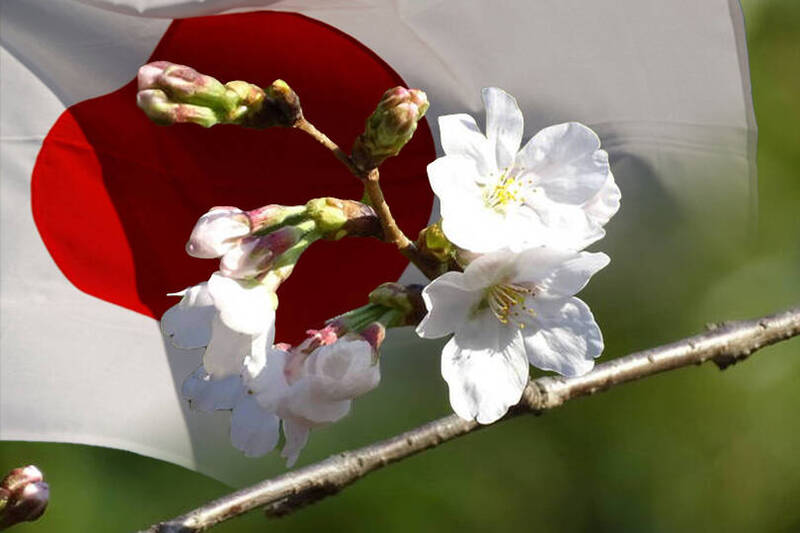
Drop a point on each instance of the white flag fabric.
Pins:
(665, 85)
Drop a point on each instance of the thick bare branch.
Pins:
(725, 344)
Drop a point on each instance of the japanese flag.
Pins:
(97, 202)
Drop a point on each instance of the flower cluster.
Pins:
(518, 219)
(507, 257)
(232, 317)
(300, 388)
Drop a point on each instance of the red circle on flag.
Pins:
(115, 197)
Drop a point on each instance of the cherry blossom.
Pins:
(230, 318)
(309, 386)
(556, 190)
(507, 310)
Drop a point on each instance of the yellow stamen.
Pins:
(506, 191)
(504, 298)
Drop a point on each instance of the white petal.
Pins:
(448, 302)
(225, 354)
(523, 228)
(565, 160)
(478, 229)
(254, 431)
(562, 336)
(605, 203)
(558, 273)
(255, 361)
(503, 125)
(207, 394)
(305, 403)
(567, 226)
(454, 179)
(217, 231)
(343, 370)
(243, 306)
(489, 269)
(486, 378)
(460, 136)
(296, 434)
(269, 386)
(246, 259)
(188, 323)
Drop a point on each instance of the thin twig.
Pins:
(371, 180)
(725, 344)
(391, 231)
(324, 140)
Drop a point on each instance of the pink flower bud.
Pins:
(390, 126)
(149, 74)
(23, 496)
(18, 478)
(158, 107)
(255, 254)
(217, 232)
(184, 84)
(271, 215)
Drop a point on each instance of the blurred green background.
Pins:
(692, 450)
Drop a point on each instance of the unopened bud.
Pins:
(171, 93)
(328, 214)
(249, 101)
(161, 110)
(392, 295)
(185, 84)
(390, 126)
(281, 107)
(255, 254)
(149, 74)
(23, 496)
(406, 299)
(272, 216)
(217, 232)
(336, 218)
(432, 242)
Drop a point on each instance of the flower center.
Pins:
(506, 302)
(507, 191)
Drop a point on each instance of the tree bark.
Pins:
(725, 344)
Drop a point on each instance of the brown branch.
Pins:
(725, 344)
(392, 232)
(371, 180)
(304, 125)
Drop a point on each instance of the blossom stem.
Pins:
(371, 180)
(361, 317)
(724, 344)
(324, 140)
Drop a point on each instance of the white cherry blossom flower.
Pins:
(557, 190)
(254, 430)
(230, 318)
(310, 386)
(308, 390)
(507, 310)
